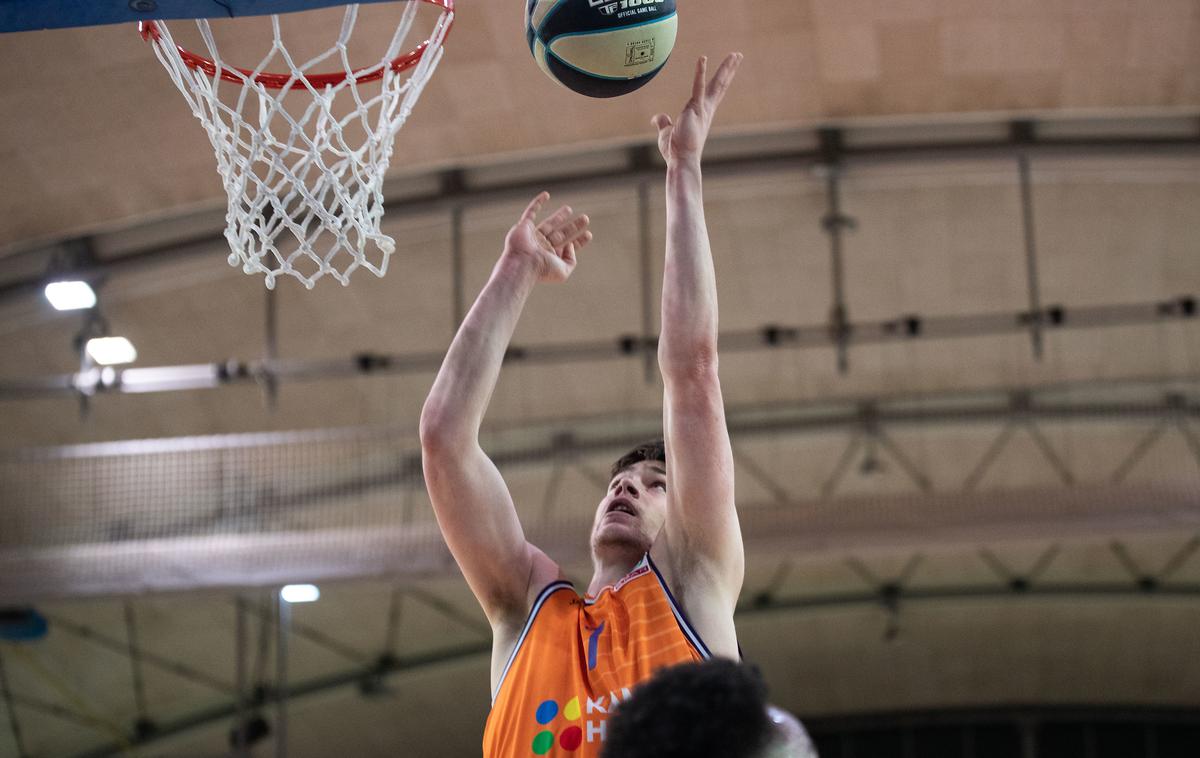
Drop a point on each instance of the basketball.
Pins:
(601, 48)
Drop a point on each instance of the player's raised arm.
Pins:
(702, 521)
(471, 501)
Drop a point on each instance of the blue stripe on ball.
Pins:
(530, 36)
(541, 30)
(590, 84)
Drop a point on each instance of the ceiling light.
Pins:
(70, 296)
(109, 351)
(300, 593)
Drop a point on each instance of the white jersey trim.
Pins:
(680, 617)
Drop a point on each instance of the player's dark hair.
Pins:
(652, 450)
(716, 708)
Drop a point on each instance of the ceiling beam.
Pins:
(857, 146)
(369, 679)
(839, 333)
(866, 524)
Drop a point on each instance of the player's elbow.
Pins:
(438, 431)
(689, 364)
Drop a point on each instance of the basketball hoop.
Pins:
(296, 178)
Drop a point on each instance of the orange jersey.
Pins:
(579, 657)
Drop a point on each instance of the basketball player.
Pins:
(561, 661)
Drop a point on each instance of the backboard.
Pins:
(27, 15)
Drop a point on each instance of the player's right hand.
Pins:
(550, 244)
(684, 138)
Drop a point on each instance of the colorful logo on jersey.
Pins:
(571, 736)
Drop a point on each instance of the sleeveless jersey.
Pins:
(579, 657)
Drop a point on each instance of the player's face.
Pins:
(634, 508)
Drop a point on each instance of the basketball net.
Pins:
(303, 155)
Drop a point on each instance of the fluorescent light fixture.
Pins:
(109, 351)
(300, 593)
(70, 296)
(168, 378)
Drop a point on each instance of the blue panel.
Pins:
(22, 625)
(24, 15)
(530, 32)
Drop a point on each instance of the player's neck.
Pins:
(611, 569)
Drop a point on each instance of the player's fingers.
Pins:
(724, 76)
(661, 121)
(555, 220)
(700, 80)
(583, 240)
(535, 205)
(570, 232)
(581, 228)
(577, 244)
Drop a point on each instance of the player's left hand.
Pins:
(684, 139)
(550, 244)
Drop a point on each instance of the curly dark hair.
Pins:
(651, 450)
(716, 708)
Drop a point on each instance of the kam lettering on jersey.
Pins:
(576, 724)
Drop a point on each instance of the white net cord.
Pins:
(305, 196)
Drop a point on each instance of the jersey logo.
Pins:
(590, 724)
(594, 645)
(569, 739)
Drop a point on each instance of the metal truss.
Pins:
(10, 706)
(459, 187)
(253, 691)
(270, 373)
(872, 428)
(1164, 408)
(870, 445)
(890, 592)
(830, 154)
(1170, 403)
(370, 673)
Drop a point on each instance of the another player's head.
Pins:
(714, 708)
(634, 507)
